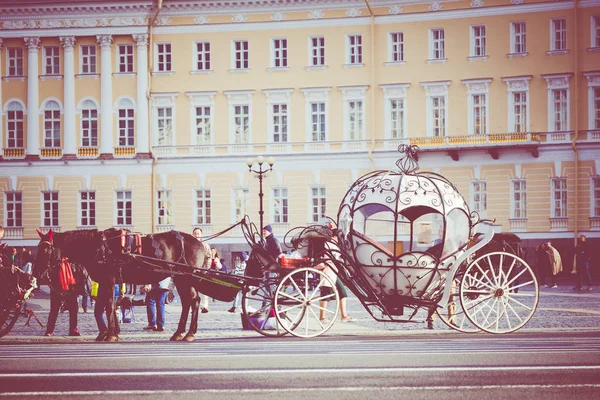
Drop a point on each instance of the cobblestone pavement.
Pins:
(559, 309)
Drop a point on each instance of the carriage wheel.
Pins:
(453, 314)
(258, 310)
(8, 318)
(499, 292)
(298, 303)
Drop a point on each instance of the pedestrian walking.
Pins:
(197, 233)
(557, 266)
(155, 304)
(582, 264)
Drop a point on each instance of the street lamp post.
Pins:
(260, 172)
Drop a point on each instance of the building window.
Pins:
(124, 208)
(478, 41)
(479, 104)
(203, 56)
(595, 31)
(438, 108)
(519, 112)
(164, 122)
(518, 42)
(52, 124)
(318, 115)
(14, 126)
(240, 54)
(14, 61)
(595, 196)
(279, 53)
(203, 125)
(354, 49)
(519, 199)
(558, 39)
(241, 120)
(126, 123)
(51, 60)
(559, 113)
(280, 205)
(317, 51)
(280, 123)
(50, 212)
(87, 203)
(397, 118)
(89, 124)
(595, 112)
(318, 203)
(164, 207)
(559, 197)
(479, 196)
(240, 203)
(203, 207)
(436, 44)
(88, 59)
(14, 209)
(125, 58)
(396, 47)
(356, 118)
(163, 57)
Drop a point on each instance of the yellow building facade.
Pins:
(143, 114)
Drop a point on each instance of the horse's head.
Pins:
(47, 254)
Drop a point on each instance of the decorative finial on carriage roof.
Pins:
(407, 163)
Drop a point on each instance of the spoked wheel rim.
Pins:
(453, 314)
(298, 303)
(499, 292)
(257, 306)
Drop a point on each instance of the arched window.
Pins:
(52, 124)
(14, 125)
(89, 124)
(126, 123)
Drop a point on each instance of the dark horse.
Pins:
(107, 263)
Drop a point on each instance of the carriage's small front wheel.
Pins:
(499, 292)
(301, 307)
(258, 309)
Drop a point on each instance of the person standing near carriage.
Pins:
(197, 233)
(272, 245)
(582, 264)
(556, 265)
(155, 304)
(62, 290)
(545, 263)
(240, 269)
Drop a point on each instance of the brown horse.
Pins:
(107, 263)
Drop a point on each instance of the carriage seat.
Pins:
(268, 262)
(373, 243)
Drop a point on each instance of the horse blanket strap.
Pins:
(157, 251)
(182, 240)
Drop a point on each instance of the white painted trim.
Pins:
(477, 87)
(309, 64)
(155, 70)
(557, 82)
(45, 102)
(592, 195)
(552, 50)
(517, 84)
(280, 97)
(435, 89)
(201, 99)
(390, 51)
(394, 92)
(239, 98)
(594, 24)
(315, 95)
(14, 99)
(164, 100)
(117, 55)
(593, 82)
(195, 69)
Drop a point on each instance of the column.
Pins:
(106, 114)
(70, 133)
(141, 122)
(33, 102)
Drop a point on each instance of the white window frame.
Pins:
(396, 47)
(434, 91)
(395, 92)
(51, 56)
(204, 100)
(164, 207)
(164, 101)
(478, 41)
(279, 53)
(354, 49)
(278, 97)
(51, 114)
(558, 84)
(595, 196)
(518, 37)
(14, 61)
(475, 89)
(203, 206)
(559, 197)
(163, 59)
(514, 85)
(479, 196)
(126, 114)
(125, 59)
(558, 27)
(595, 31)
(316, 96)
(241, 56)
(318, 109)
(202, 56)
(241, 201)
(13, 209)
(318, 203)
(280, 209)
(316, 53)
(89, 133)
(15, 125)
(593, 83)
(123, 204)
(87, 208)
(518, 206)
(48, 215)
(354, 100)
(239, 98)
(437, 45)
(87, 60)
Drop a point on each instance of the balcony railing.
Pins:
(594, 223)
(14, 232)
(124, 151)
(88, 152)
(14, 153)
(518, 224)
(51, 152)
(559, 224)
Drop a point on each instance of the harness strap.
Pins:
(182, 241)
(157, 251)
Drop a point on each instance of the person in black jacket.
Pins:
(272, 245)
(582, 264)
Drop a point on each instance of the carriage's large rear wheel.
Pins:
(453, 314)
(499, 292)
(298, 303)
(258, 309)
(8, 316)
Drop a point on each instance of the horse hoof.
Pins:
(189, 338)
(111, 338)
(177, 337)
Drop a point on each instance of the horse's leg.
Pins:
(113, 324)
(184, 295)
(195, 305)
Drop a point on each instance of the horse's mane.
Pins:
(78, 244)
